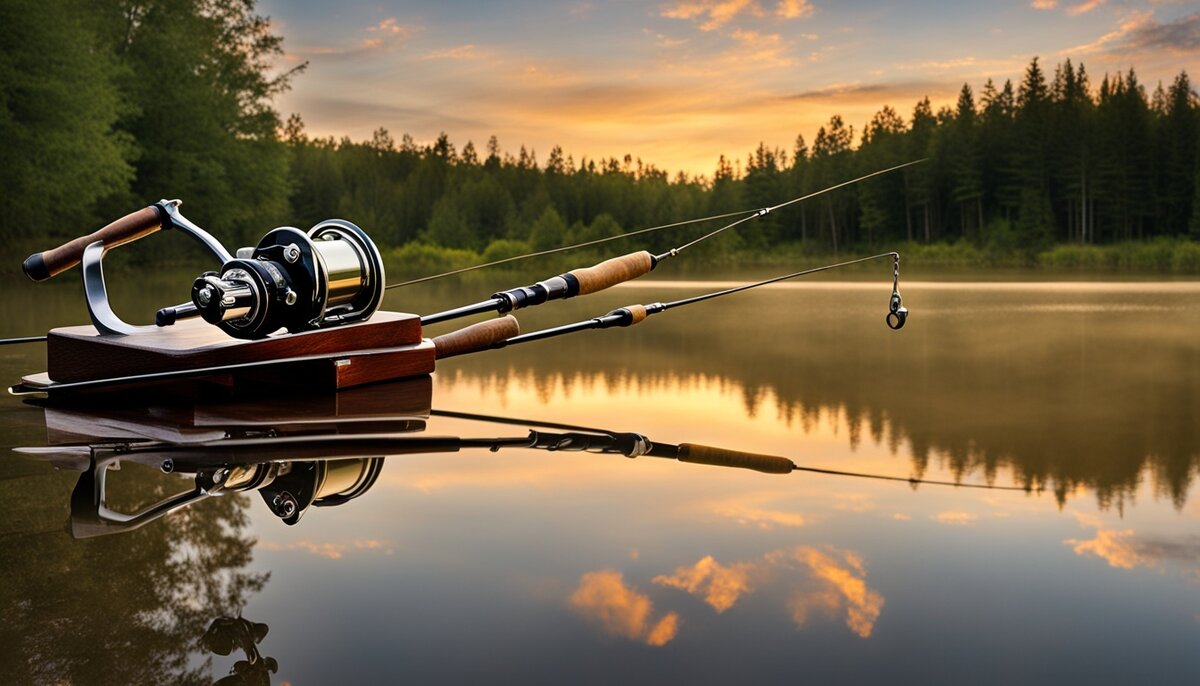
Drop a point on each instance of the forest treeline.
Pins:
(108, 105)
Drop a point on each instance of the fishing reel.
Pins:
(289, 488)
(299, 281)
(295, 280)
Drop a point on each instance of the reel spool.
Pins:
(321, 483)
(331, 275)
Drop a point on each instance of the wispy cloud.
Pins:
(1124, 549)
(330, 551)
(1044, 4)
(856, 92)
(619, 609)
(1140, 33)
(766, 50)
(1084, 7)
(955, 518)
(389, 33)
(712, 13)
(461, 52)
(761, 518)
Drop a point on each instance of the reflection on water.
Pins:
(587, 567)
(1065, 385)
(126, 610)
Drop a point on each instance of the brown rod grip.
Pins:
(612, 272)
(475, 337)
(703, 454)
(43, 265)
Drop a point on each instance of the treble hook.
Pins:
(898, 314)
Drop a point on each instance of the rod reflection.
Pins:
(300, 453)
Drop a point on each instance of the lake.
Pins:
(535, 566)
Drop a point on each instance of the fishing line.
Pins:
(785, 277)
(565, 248)
(767, 210)
(910, 479)
(751, 214)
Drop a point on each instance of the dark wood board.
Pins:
(79, 353)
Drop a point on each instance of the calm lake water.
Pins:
(528, 566)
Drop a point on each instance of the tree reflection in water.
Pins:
(1066, 385)
(127, 609)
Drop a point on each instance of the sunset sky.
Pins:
(680, 82)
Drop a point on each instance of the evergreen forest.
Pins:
(108, 106)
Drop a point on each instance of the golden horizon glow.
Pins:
(680, 83)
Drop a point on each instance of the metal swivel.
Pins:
(898, 314)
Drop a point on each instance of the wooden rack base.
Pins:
(388, 346)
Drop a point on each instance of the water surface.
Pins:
(551, 567)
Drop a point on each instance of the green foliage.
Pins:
(503, 248)
(548, 231)
(418, 258)
(59, 102)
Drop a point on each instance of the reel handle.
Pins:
(475, 337)
(720, 457)
(43, 265)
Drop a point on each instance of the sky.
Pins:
(678, 83)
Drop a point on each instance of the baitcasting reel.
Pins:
(299, 281)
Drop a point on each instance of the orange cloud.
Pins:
(462, 52)
(620, 610)
(331, 551)
(763, 519)
(793, 9)
(719, 12)
(1114, 547)
(841, 584)
(1122, 549)
(765, 49)
(720, 586)
(955, 518)
(833, 582)
(1084, 7)
(390, 25)
(1044, 4)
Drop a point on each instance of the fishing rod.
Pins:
(629, 315)
(613, 271)
(631, 445)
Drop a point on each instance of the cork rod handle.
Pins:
(612, 272)
(703, 454)
(43, 265)
(476, 337)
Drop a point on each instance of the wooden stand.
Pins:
(388, 346)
